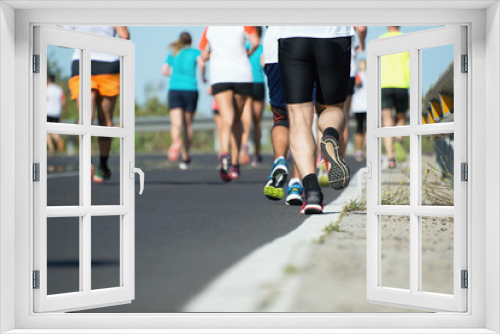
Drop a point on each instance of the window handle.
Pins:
(365, 170)
(139, 171)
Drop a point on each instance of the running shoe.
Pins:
(337, 169)
(184, 164)
(256, 161)
(313, 202)
(244, 158)
(391, 164)
(173, 150)
(224, 167)
(101, 175)
(359, 156)
(322, 175)
(277, 178)
(294, 194)
(234, 172)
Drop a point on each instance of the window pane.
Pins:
(437, 254)
(395, 251)
(437, 170)
(63, 86)
(437, 84)
(63, 170)
(105, 252)
(63, 255)
(106, 164)
(395, 171)
(105, 86)
(395, 85)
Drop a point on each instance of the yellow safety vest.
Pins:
(395, 68)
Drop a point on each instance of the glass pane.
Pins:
(106, 167)
(395, 251)
(437, 254)
(437, 170)
(63, 85)
(105, 252)
(395, 85)
(105, 86)
(395, 171)
(436, 85)
(63, 170)
(63, 255)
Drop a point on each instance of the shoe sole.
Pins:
(312, 209)
(337, 170)
(294, 200)
(273, 193)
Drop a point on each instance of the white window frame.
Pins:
(414, 297)
(85, 297)
(484, 47)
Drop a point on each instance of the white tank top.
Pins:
(270, 44)
(100, 30)
(316, 31)
(228, 55)
(359, 103)
(55, 98)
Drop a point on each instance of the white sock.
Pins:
(294, 180)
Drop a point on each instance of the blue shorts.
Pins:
(276, 93)
(187, 100)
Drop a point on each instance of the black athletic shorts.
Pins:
(52, 119)
(258, 91)
(242, 88)
(360, 122)
(350, 88)
(187, 100)
(395, 98)
(306, 61)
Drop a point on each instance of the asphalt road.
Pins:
(189, 226)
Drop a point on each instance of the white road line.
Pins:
(259, 282)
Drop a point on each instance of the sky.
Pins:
(151, 51)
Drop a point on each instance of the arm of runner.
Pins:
(201, 64)
(262, 60)
(361, 31)
(166, 70)
(122, 32)
(63, 100)
(254, 39)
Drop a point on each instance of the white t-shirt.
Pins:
(55, 98)
(228, 56)
(316, 31)
(270, 44)
(359, 103)
(100, 30)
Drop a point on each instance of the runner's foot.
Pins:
(277, 178)
(173, 150)
(359, 156)
(184, 164)
(234, 172)
(244, 158)
(256, 161)
(313, 202)
(392, 163)
(224, 167)
(294, 194)
(101, 175)
(337, 170)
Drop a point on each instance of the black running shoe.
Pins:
(313, 202)
(337, 169)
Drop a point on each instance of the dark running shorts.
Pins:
(276, 93)
(306, 61)
(350, 88)
(258, 91)
(187, 100)
(360, 122)
(242, 88)
(52, 119)
(395, 98)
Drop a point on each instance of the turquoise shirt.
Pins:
(183, 69)
(258, 74)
